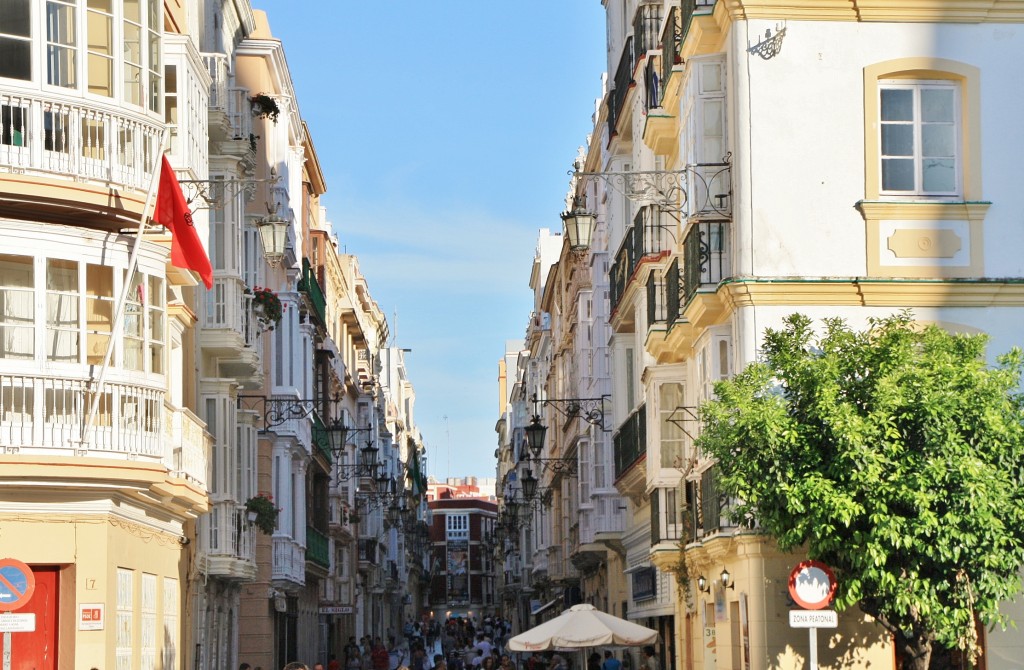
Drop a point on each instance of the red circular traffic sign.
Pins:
(17, 584)
(812, 585)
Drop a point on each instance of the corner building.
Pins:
(100, 484)
(835, 159)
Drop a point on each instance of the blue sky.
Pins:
(445, 131)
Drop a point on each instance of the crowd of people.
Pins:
(459, 644)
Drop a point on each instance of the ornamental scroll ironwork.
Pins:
(699, 189)
(770, 46)
(276, 411)
(218, 192)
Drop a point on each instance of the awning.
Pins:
(546, 607)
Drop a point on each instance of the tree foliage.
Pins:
(895, 455)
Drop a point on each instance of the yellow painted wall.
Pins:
(90, 548)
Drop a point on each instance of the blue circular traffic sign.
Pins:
(17, 584)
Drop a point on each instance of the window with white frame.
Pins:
(170, 622)
(147, 622)
(919, 123)
(124, 619)
(77, 304)
(457, 527)
(670, 398)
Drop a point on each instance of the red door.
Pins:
(38, 650)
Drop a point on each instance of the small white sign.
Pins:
(17, 623)
(90, 616)
(813, 619)
(337, 609)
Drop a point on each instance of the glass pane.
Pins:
(99, 281)
(62, 345)
(16, 271)
(17, 342)
(61, 276)
(937, 104)
(100, 31)
(132, 11)
(101, 5)
(897, 139)
(897, 174)
(897, 104)
(60, 24)
(133, 354)
(156, 359)
(939, 175)
(60, 67)
(938, 140)
(101, 75)
(133, 84)
(15, 58)
(62, 310)
(132, 43)
(15, 18)
(156, 292)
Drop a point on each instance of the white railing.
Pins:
(240, 113)
(49, 412)
(289, 561)
(228, 98)
(229, 307)
(51, 136)
(219, 71)
(190, 445)
(231, 535)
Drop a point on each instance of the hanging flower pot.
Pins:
(264, 107)
(262, 506)
(266, 307)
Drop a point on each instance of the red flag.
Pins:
(173, 213)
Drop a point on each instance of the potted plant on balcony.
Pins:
(266, 306)
(264, 107)
(353, 517)
(263, 512)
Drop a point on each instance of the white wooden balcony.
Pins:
(52, 135)
(47, 415)
(228, 542)
(289, 563)
(228, 99)
(189, 445)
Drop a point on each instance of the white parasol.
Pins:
(583, 626)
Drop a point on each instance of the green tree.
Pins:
(896, 456)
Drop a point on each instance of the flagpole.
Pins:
(122, 301)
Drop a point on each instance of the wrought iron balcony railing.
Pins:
(311, 287)
(672, 292)
(289, 562)
(671, 41)
(646, 239)
(646, 23)
(317, 547)
(620, 85)
(690, 7)
(630, 443)
(705, 257)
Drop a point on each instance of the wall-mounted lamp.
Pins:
(579, 225)
(702, 584)
(727, 582)
(274, 235)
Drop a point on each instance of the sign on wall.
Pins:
(90, 616)
(458, 572)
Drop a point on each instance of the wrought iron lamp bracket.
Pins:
(560, 466)
(668, 189)
(590, 410)
(277, 410)
(202, 189)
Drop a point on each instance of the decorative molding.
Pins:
(909, 11)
